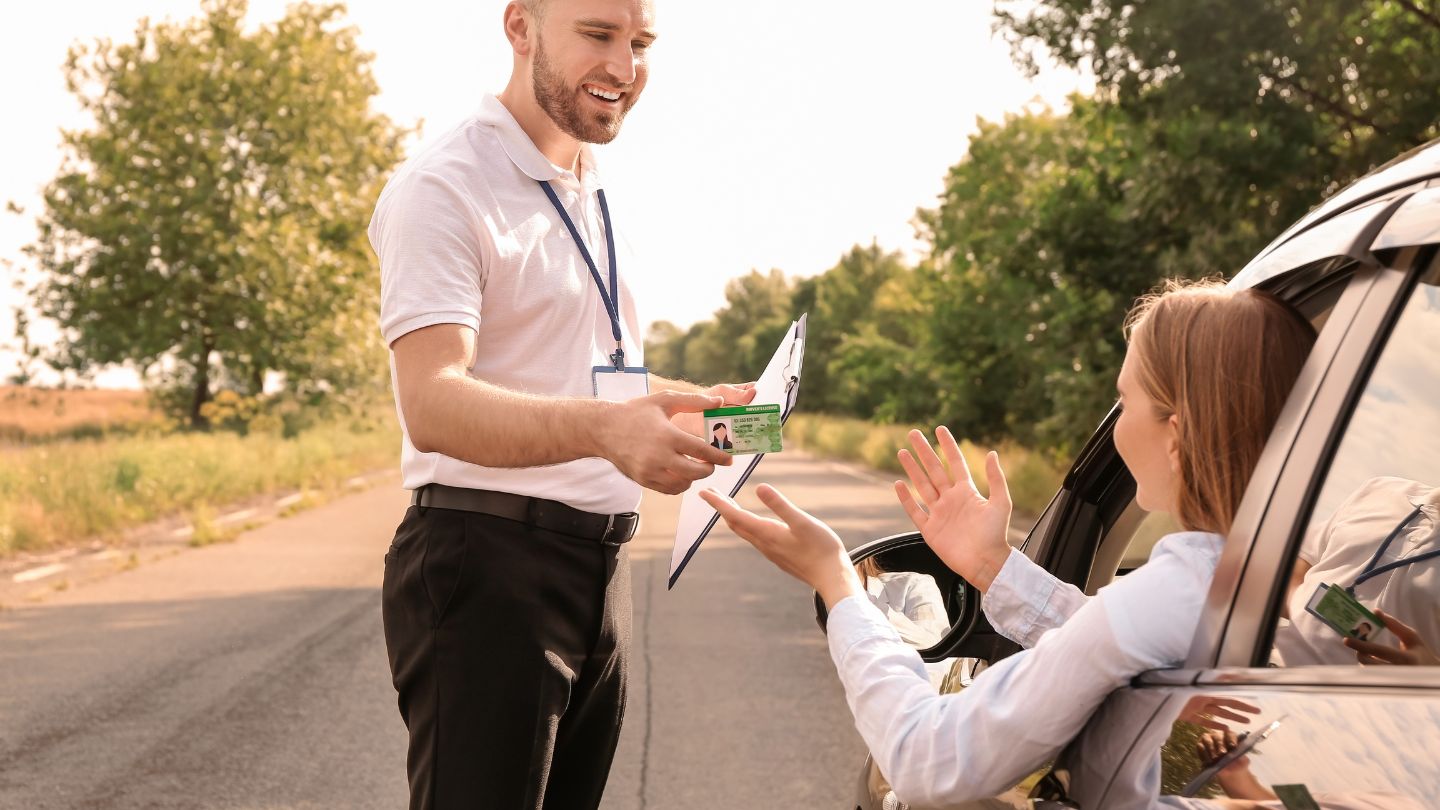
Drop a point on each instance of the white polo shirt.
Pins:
(466, 235)
(1340, 551)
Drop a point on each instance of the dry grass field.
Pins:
(77, 465)
(36, 414)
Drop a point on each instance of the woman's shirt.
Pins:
(1019, 713)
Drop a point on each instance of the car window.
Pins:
(1365, 587)
(1129, 542)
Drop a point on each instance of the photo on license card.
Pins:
(744, 429)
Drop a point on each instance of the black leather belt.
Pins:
(612, 530)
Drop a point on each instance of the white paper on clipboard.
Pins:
(780, 383)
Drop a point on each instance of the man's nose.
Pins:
(622, 64)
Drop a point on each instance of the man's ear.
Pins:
(519, 27)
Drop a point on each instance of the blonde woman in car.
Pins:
(1206, 374)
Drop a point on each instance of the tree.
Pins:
(213, 217)
(844, 298)
(1345, 85)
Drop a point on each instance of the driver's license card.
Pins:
(1343, 613)
(744, 429)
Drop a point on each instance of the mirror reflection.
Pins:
(922, 598)
(909, 599)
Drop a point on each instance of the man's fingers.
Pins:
(690, 470)
(1232, 703)
(1407, 635)
(674, 402)
(917, 513)
(1231, 709)
(696, 447)
(918, 478)
(925, 454)
(1368, 652)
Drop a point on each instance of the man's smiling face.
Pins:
(590, 63)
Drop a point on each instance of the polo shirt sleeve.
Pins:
(432, 261)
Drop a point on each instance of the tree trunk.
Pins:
(202, 387)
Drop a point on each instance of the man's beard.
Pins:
(560, 103)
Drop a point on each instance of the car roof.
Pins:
(1392, 206)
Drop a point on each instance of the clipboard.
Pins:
(780, 382)
(1247, 742)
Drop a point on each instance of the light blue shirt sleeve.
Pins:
(941, 749)
(1025, 600)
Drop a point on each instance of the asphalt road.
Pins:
(252, 674)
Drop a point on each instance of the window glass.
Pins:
(1365, 588)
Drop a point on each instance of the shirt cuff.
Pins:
(855, 619)
(1017, 598)
(396, 330)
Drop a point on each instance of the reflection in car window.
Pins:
(1366, 585)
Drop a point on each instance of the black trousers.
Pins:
(508, 647)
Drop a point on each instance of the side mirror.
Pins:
(932, 608)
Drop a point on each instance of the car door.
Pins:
(1359, 438)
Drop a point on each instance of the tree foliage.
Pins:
(211, 222)
(1214, 126)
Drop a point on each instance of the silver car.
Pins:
(1365, 268)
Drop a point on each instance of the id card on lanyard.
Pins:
(616, 382)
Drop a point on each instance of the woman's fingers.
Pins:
(747, 524)
(925, 454)
(912, 508)
(951, 448)
(918, 478)
(783, 508)
(995, 479)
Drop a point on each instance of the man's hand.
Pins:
(1212, 711)
(1411, 652)
(967, 531)
(798, 543)
(641, 441)
(730, 394)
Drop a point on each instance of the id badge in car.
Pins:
(1343, 613)
(620, 384)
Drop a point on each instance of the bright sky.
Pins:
(770, 135)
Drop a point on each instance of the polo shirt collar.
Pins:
(1428, 503)
(526, 156)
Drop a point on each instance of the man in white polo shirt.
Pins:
(528, 431)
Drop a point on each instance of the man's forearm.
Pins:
(481, 423)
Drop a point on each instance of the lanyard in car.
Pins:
(1371, 571)
(612, 299)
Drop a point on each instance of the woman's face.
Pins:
(1147, 443)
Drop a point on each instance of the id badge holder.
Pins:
(620, 384)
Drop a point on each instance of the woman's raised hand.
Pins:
(966, 530)
(800, 544)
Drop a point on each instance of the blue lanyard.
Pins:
(611, 300)
(1371, 571)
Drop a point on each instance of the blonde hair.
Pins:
(1223, 362)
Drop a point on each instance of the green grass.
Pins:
(57, 493)
(1033, 477)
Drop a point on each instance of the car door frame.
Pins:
(1236, 630)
